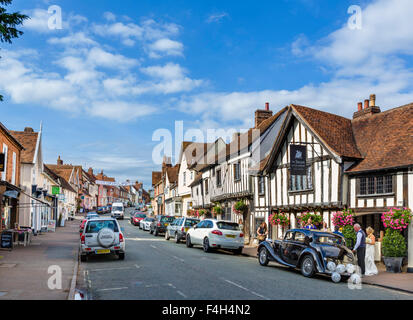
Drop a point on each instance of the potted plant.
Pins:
(394, 244)
(345, 221)
(279, 219)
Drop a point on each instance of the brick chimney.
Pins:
(59, 161)
(261, 115)
(90, 172)
(369, 109)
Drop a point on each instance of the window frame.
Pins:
(363, 185)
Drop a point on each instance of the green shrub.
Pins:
(350, 235)
(394, 244)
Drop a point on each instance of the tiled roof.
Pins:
(156, 177)
(195, 151)
(385, 139)
(29, 141)
(173, 173)
(65, 171)
(334, 131)
(244, 140)
(64, 182)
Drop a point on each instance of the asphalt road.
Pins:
(163, 270)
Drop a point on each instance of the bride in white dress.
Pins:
(371, 268)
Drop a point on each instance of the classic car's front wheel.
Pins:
(307, 267)
(263, 257)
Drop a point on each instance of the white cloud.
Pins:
(165, 47)
(75, 39)
(109, 16)
(169, 71)
(216, 17)
(38, 20)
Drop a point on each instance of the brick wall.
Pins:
(12, 147)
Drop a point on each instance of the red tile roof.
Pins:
(29, 141)
(156, 177)
(333, 130)
(385, 139)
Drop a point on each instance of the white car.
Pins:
(145, 224)
(102, 236)
(216, 234)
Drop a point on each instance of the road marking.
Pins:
(137, 267)
(153, 247)
(180, 293)
(144, 239)
(110, 269)
(113, 289)
(243, 288)
(171, 285)
(175, 257)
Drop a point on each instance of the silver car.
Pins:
(102, 236)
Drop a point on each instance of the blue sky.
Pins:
(119, 70)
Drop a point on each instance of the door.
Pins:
(286, 247)
(298, 245)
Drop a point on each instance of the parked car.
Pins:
(179, 228)
(101, 210)
(88, 217)
(216, 234)
(102, 236)
(308, 250)
(160, 224)
(137, 217)
(118, 210)
(145, 224)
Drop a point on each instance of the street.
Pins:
(163, 270)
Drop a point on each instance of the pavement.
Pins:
(396, 281)
(24, 270)
(155, 269)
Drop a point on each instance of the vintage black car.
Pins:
(308, 250)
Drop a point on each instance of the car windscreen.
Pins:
(167, 219)
(191, 222)
(140, 215)
(150, 219)
(117, 208)
(329, 239)
(96, 226)
(228, 226)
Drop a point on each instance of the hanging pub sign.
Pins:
(298, 157)
(2, 158)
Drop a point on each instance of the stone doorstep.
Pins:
(7, 265)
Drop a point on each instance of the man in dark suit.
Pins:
(360, 248)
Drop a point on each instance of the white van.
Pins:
(118, 210)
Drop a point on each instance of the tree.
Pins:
(8, 24)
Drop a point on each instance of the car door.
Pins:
(208, 227)
(196, 233)
(297, 246)
(286, 247)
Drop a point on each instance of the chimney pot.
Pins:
(59, 161)
(372, 100)
(28, 130)
(366, 103)
(360, 106)
(267, 106)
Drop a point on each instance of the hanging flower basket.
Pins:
(217, 210)
(343, 218)
(240, 207)
(316, 218)
(397, 219)
(191, 213)
(279, 219)
(201, 212)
